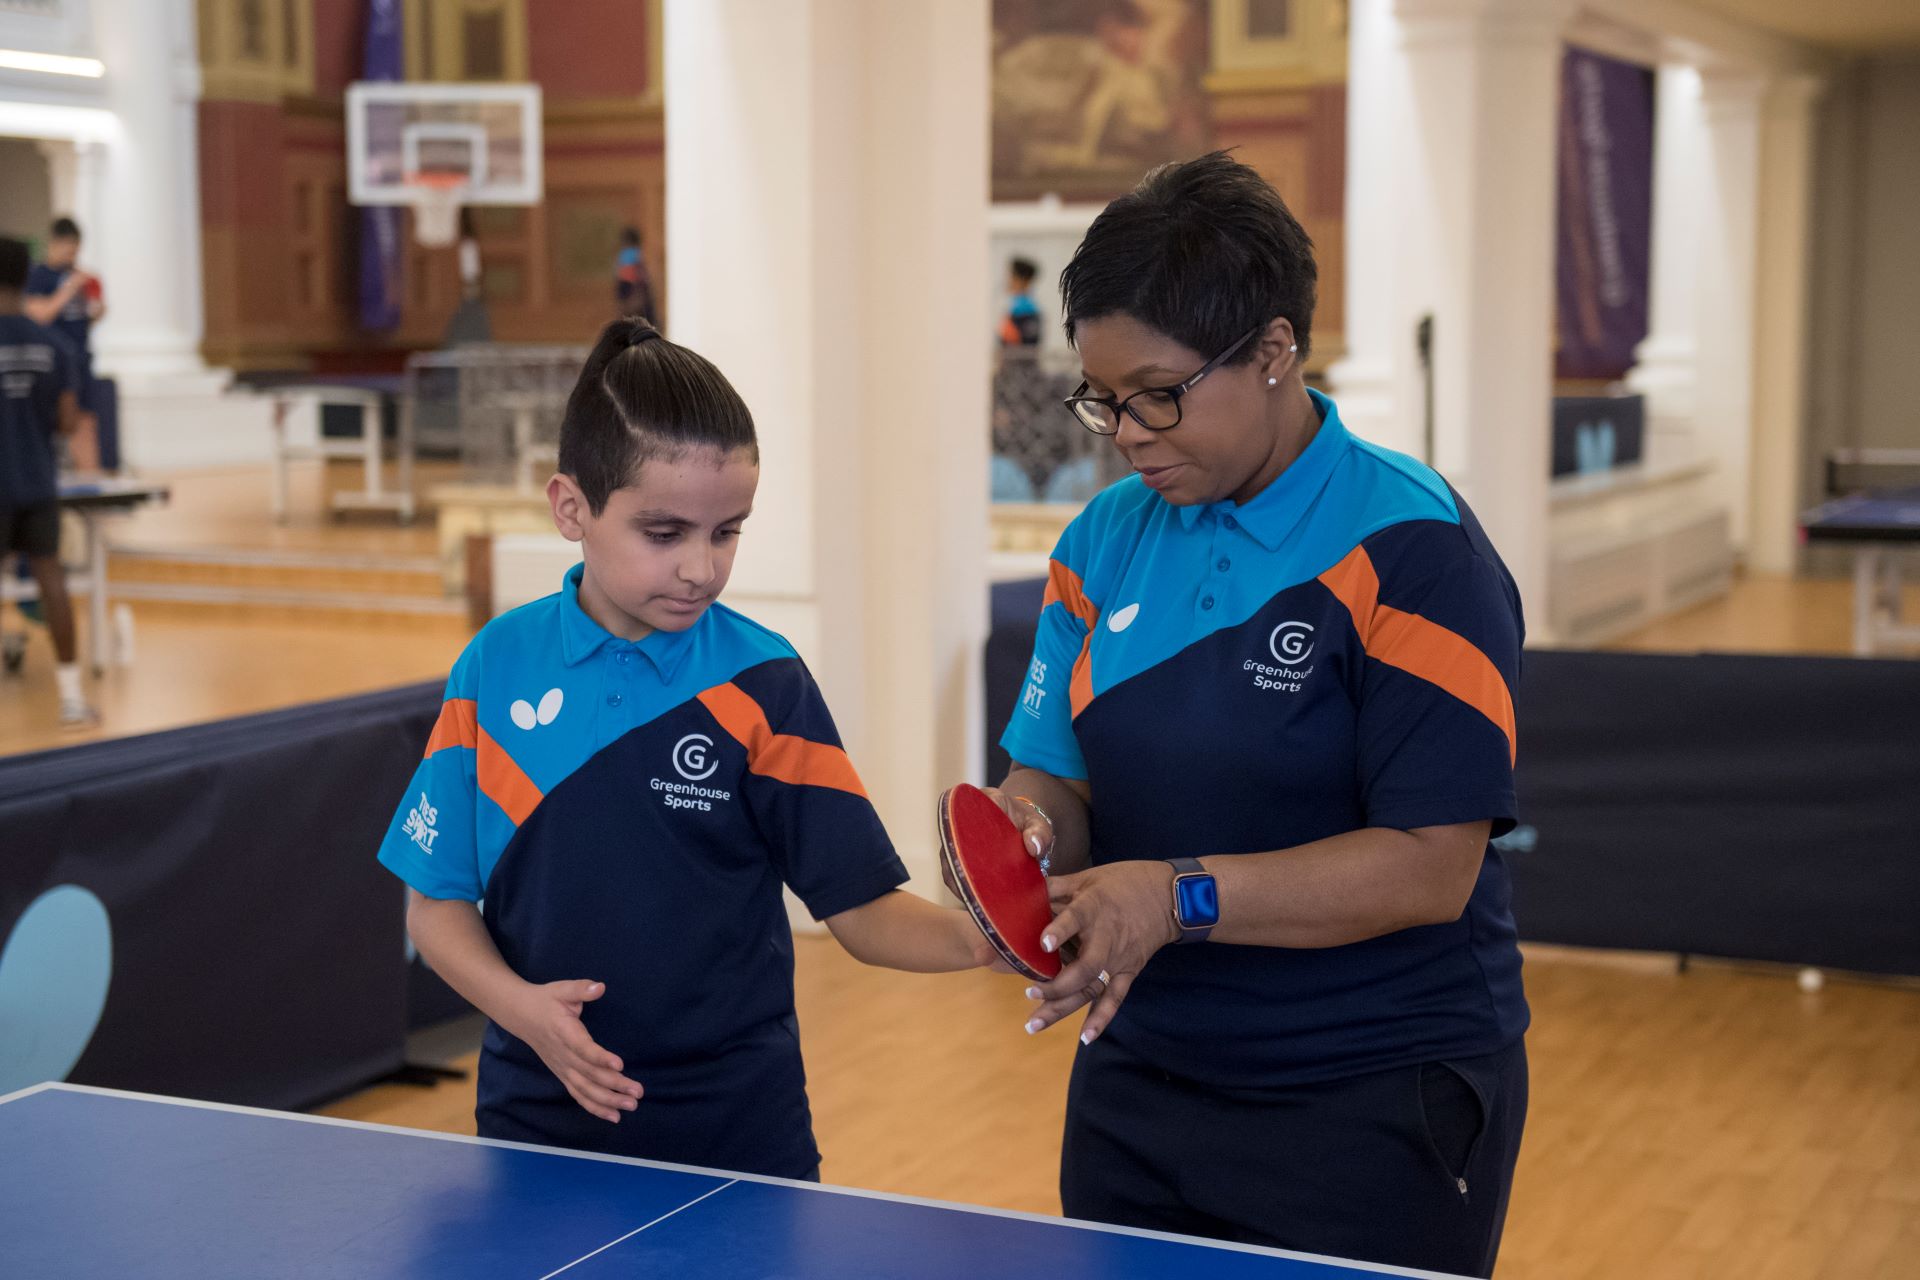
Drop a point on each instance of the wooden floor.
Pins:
(1768, 613)
(1716, 1123)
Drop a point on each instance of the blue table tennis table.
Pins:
(1881, 527)
(97, 1183)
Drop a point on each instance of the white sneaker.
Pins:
(13, 652)
(76, 714)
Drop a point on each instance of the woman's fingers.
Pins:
(1053, 1010)
(1104, 1007)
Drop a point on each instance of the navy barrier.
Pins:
(199, 912)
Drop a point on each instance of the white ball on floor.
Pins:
(1812, 980)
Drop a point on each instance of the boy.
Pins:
(38, 400)
(622, 778)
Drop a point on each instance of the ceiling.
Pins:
(1853, 25)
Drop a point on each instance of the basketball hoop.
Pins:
(436, 207)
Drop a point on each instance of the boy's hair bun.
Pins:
(639, 397)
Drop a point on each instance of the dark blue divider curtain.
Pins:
(1752, 807)
(258, 948)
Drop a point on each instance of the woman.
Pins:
(1266, 737)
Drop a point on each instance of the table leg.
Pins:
(99, 642)
(280, 411)
(371, 444)
(404, 462)
(1866, 586)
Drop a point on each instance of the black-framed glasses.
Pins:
(1155, 408)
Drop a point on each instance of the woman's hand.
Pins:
(1110, 920)
(1036, 831)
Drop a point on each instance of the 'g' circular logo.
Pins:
(693, 757)
(1291, 641)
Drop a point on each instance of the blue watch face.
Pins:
(1198, 902)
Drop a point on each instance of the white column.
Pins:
(139, 209)
(1728, 254)
(1665, 369)
(1377, 381)
(1484, 77)
(1781, 334)
(826, 215)
(146, 243)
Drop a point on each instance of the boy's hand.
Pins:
(984, 956)
(550, 1024)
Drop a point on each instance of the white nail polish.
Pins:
(1086, 1038)
(1047, 943)
(1033, 1026)
(1033, 993)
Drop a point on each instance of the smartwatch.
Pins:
(1196, 899)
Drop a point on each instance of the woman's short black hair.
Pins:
(1202, 251)
(641, 397)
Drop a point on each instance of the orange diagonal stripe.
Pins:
(458, 725)
(1080, 689)
(504, 782)
(782, 757)
(1064, 588)
(1421, 647)
(1357, 586)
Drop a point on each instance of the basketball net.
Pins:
(436, 208)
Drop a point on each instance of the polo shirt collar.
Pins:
(581, 637)
(1276, 509)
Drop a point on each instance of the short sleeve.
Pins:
(825, 840)
(432, 841)
(1040, 730)
(42, 281)
(1437, 739)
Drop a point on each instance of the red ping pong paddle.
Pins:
(999, 882)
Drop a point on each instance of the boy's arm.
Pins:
(454, 941)
(901, 930)
(44, 308)
(67, 414)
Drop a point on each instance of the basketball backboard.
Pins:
(405, 140)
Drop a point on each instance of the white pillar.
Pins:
(1728, 254)
(1484, 77)
(826, 215)
(1377, 381)
(1781, 333)
(146, 241)
(1665, 369)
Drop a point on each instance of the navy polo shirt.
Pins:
(627, 813)
(1338, 653)
(73, 323)
(35, 369)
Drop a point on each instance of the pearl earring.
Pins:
(1273, 382)
(1294, 347)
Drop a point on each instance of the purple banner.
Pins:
(1605, 215)
(383, 57)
